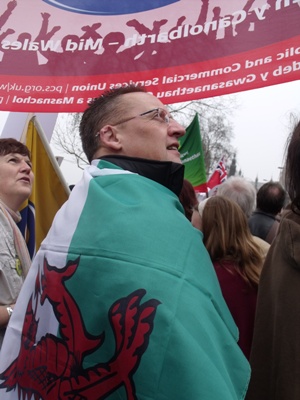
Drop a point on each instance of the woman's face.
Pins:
(16, 179)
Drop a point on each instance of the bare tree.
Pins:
(66, 138)
(215, 126)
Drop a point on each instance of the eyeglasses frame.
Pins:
(166, 119)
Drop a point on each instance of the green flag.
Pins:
(192, 156)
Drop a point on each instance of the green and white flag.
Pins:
(122, 302)
(192, 156)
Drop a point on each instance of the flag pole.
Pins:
(24, 132)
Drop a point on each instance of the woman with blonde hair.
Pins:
(237, 261)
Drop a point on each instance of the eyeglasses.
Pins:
(161, 114)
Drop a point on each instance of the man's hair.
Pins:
(271, 198)
(292, 168)
(105, 109)
(241, 191)
(8, 146)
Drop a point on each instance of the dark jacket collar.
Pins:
(167, 173)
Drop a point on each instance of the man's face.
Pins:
(148, 136)
(16, 179)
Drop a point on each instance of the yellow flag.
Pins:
(50, 190)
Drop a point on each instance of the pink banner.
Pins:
(57, 54)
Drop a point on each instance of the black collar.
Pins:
(167, 173)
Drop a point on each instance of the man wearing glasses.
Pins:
(122, 301)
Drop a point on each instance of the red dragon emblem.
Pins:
(52, 368)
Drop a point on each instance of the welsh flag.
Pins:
(122, 302)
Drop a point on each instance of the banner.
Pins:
(68, 51)
(192, 156)
(49, 188)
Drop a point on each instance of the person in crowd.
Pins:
(236, 259)
(270, 200)
(196, 218)
(188, 199)
(122, 300)
(275, 357)
(238, 189)
(16, 179)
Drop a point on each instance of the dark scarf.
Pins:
(167, 173)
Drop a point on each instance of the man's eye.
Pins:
(162, 115)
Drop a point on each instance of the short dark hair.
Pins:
(11, 145)
(102, 110)
(271, 197)
(292, 168)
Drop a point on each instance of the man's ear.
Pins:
(109, 138)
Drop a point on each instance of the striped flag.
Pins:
(49, 191)
(117, 307)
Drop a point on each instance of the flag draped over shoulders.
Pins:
(122, 302)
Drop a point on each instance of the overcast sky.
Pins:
(261, 126)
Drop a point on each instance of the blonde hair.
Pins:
(227, 238)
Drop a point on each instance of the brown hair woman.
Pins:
(237, 261)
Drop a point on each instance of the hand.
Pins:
(12, 5)
(45, 15)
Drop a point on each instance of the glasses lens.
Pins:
(163, 115)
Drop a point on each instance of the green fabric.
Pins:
(192, 155)
(132, 234)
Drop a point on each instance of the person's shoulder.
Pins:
(291, 219)
(261, 243)
(255, 215)
(288, 237)
(3, 219)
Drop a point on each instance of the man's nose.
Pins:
(175, 128)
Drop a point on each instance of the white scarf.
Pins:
(20, 244)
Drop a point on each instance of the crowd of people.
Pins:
(140, 291)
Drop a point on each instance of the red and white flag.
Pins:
(218, 176)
